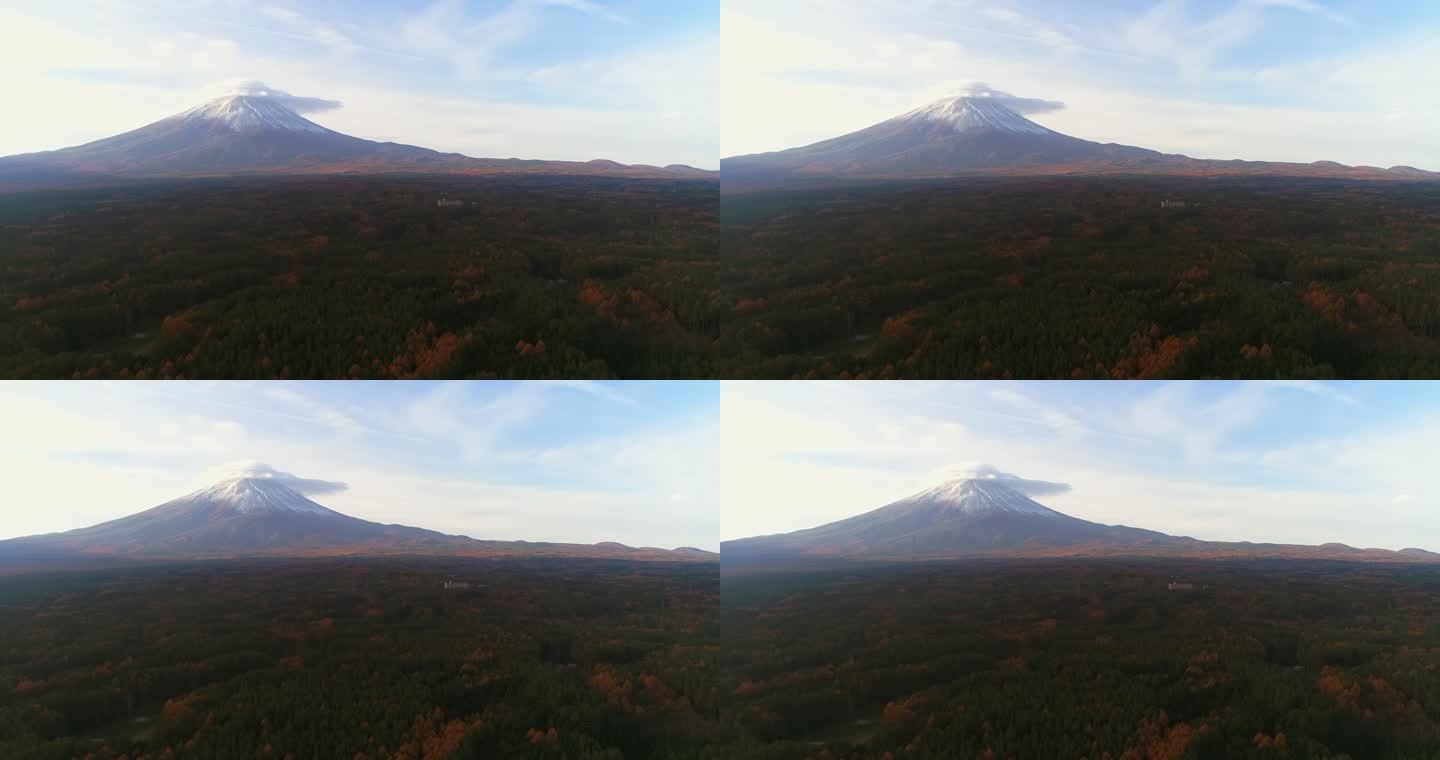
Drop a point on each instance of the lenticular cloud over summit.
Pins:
(251, 88)
(261, 471)
(991, 472)
(1013, 102)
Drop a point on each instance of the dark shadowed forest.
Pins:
(1084, 278)
(340, 277)
(1084, 659)
(352, 658)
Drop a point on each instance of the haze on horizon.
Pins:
(571, 462)
(1272, 80)
(1297, 462)
(634, 81)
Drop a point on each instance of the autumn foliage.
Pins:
(1072, 277)
(362, 277)
(356, 657)
(1084, 658)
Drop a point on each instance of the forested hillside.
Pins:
(361, 659)
(340, 277)
(1084, 278)
(1084, 659)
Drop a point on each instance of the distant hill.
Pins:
(248, 134)
(981, 135)
(254, 516)
(981, 517)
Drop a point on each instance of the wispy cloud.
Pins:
(607, 391)
(1171, 32)
(1039, 412)
(262, 471)
(311, 409)
(471, 42)
(281, 14)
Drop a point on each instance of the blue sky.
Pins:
(577, 462)
(1302, 462)
(629, 80)
(1290, 80)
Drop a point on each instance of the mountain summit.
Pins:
(261, 134)
(249, 496)
(246, 113)
(978, 496)
(972, 134)
(965, 113)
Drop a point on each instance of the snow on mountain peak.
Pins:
(981, 495)
(966, 113)
(257, 495)
(250, 113)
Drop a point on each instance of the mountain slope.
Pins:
(252, 134)
(239, 516)
(252, 516)
(952, 135)
(958, 517)
(967, 135)
(991, 517)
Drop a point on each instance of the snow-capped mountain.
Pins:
(965, 114)
(249, 516)
(243, 113)
(962, 516)
(245, 515)
(952, 135)
(249, 134)
(250, 496)
(994, 517)
(982, 135)
(978, 496)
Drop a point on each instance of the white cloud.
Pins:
(256, 89)
(262, 471)
(281, 14)
(1027, 486)
(1032, 410)
(1170, 32)
(471, 43)
(1013, 102)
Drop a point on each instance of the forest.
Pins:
(1090, 659)
(1083, 278)
(361, 658)
(361, 277)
